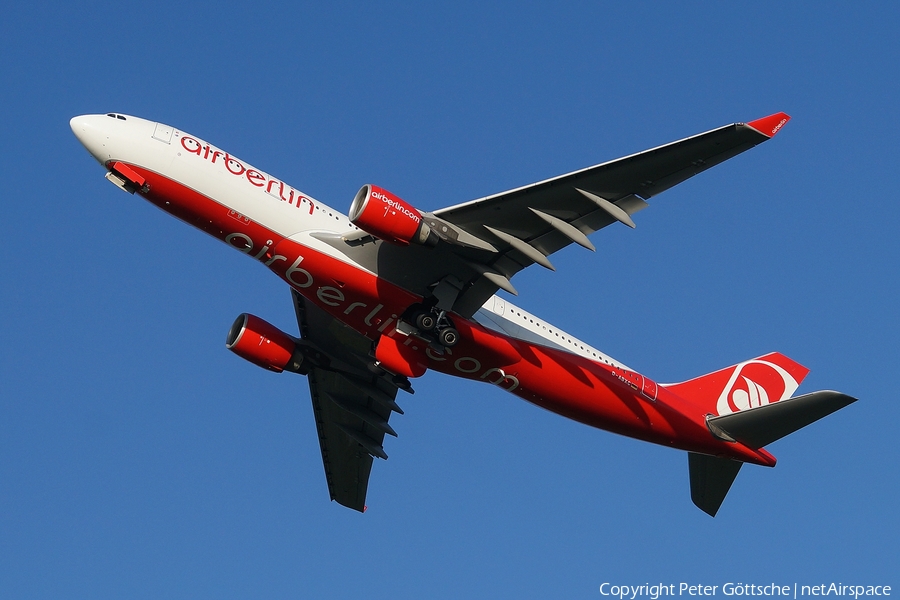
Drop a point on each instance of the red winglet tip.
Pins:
(767, 457)
(769, 126)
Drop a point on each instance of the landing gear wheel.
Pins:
(448, 337)
(425, 321)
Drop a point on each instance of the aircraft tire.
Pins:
(425, 321)
(448, 337)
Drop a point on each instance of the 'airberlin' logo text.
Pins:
(397, 206)
(755, 383)
(273, 187)
(779, 126)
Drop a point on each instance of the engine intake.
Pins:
(263, 344)
(387, 217)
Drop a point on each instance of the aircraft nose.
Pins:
(77, 125)
(92, 136)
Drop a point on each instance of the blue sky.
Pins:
(140, 459)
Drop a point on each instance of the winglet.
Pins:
(769, 126)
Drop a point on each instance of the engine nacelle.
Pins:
(264, 345)
(387, 217)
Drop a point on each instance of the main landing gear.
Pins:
(425, 322)
(431, 324)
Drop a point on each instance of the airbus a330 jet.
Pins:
(389, 291)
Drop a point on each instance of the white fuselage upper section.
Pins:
(253, 193)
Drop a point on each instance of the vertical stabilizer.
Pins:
(750, 384)
(711, 478)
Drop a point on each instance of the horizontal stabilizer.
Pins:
(757, 427)
(711, 478)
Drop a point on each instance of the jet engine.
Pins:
(265, 345)
(387, 217)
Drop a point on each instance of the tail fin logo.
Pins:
(755, 383)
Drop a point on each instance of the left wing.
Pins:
(487, 241)
(351, 404)
(529, 223)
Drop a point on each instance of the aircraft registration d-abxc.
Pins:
(390, 291)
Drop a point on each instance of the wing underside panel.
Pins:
(351, 404)
(347, 464)
(487, 241)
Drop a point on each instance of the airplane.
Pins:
(388, 291)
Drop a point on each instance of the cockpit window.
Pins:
(120, 117)
(115, 116)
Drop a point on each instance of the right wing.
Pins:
(351, 404)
